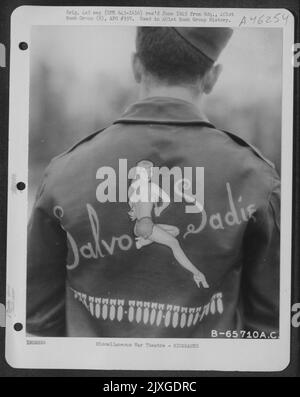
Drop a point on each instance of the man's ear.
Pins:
(137, 67)
(211, 78)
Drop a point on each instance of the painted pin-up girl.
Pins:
(144, 196)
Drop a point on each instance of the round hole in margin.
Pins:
(23, 46)
(18, 327)
(21, 186)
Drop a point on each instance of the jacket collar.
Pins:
(163, 110)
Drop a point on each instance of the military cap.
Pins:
(208, 41)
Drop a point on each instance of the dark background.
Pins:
(6, 8)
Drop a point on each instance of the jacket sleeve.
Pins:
(46, 270)
(260, 288)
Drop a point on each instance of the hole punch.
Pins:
(23, 45)
(21, 186)
(18, 327)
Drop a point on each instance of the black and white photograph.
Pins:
(156, 157)
(202, 253)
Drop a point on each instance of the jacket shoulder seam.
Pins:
(59, 156)
(77, 144)
(242, 142)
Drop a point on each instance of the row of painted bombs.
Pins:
(149, 313)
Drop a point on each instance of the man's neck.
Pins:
(177, 92)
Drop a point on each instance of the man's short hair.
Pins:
(168, 57)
